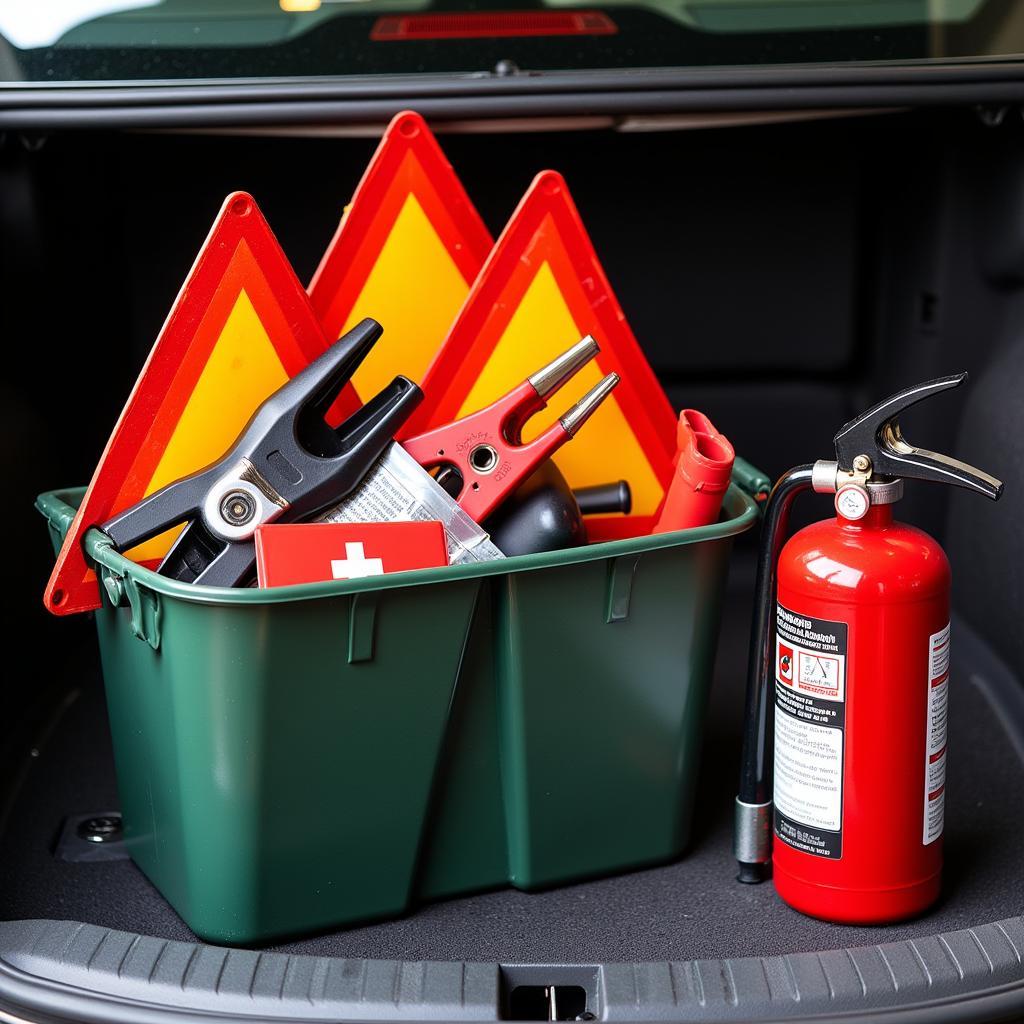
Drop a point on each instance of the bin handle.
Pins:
(59, 515)
(749, 479)
(146, 611)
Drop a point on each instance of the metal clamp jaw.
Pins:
(872, 460)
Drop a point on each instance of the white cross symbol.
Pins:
(355, 564)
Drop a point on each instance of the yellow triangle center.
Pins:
(414, 290)
(242, 370)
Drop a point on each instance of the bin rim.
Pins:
(59, 506)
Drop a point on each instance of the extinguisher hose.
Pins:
(752, 839)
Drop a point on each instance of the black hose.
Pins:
(756, 759)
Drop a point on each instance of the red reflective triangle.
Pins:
(212, 353)
(541, 289)
(406, 251)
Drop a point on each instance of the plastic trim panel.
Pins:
(59, 970)
(372, 100)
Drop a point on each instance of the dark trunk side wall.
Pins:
(780, 277)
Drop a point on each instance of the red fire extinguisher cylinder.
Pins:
(856, 719)
(843, 775)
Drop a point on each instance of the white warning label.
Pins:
(808, 775)
(935, 745)
(810, 692)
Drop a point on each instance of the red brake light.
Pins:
(491, 24)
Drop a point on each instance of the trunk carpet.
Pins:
(689, 909)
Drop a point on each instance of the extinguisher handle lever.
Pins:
(877, 435)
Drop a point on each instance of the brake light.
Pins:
(491, 24)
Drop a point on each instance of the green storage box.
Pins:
(301, 758)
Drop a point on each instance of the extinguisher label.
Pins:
(935, 747)
(810, 718)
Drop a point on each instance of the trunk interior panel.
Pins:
(780, 278)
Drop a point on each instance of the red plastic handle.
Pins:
(703, 469)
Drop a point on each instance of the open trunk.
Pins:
(780, 277)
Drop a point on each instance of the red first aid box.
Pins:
(290, 553)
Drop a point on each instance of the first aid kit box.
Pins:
(303, 757)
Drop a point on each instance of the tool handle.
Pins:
(481, 496)
(359, 442)
(233, 566)
(198, 557)
(193, 550)
(372, 427)
(488, 468)
(173, 504)
(454, 443)
(288, 438)
(752, 841)
(485, 446)
(313, 390)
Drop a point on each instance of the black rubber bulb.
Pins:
(540, 515)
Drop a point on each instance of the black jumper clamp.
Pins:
(286, 465)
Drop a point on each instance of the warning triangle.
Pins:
(407, 250)
(241, 326)
(541, 289)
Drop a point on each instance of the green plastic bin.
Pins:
(300, 758)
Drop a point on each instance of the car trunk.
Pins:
(780, 277)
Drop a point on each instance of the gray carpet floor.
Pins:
(688, 909)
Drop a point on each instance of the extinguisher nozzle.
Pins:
(751, 873)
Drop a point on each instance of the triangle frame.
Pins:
(408, 162)
(546, 227)
(240, 254)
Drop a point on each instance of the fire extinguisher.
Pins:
(844, 746)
